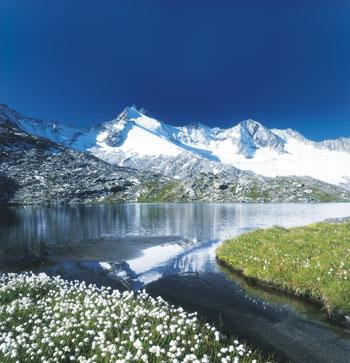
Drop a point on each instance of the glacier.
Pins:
(137, 140)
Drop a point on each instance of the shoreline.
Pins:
(337, 318)
(103, 202)
(282, 283)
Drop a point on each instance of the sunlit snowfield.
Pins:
(169, 249)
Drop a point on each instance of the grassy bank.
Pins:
(154, 192)
(311, 261)
(45, 319)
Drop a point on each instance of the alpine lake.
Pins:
(168, 249)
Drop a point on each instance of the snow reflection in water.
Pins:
(170, 250)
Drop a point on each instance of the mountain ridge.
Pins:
(139, 141)
(36, 170)
(193, 124)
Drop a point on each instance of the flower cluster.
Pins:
(48, 319)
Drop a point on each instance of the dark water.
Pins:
(169, 249)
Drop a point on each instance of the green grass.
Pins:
(258, 194)
(254, 192)
(311, 261)
(156, 193)
(325, 197)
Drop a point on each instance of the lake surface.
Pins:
(169, 249)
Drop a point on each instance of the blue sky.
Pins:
(284, 63)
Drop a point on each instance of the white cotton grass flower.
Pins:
(48, 319)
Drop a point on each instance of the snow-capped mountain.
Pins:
(35, 170)
(136, 140)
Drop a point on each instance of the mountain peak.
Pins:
(250, 122)
(130, 113)
(253, 135)
(251, 126)
(249, 145)
(287, 134)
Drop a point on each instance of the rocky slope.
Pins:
(35, 170)
(42, 169)
(246, 146)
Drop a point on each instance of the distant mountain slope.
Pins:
(137, 140)
(34, 170)
(50, 162)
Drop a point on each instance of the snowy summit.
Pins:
(137, 140)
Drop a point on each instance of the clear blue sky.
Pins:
(285, 63)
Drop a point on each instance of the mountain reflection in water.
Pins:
(169, 249)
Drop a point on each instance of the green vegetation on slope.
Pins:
(311, 261)
(154, 192)
(259, 194)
